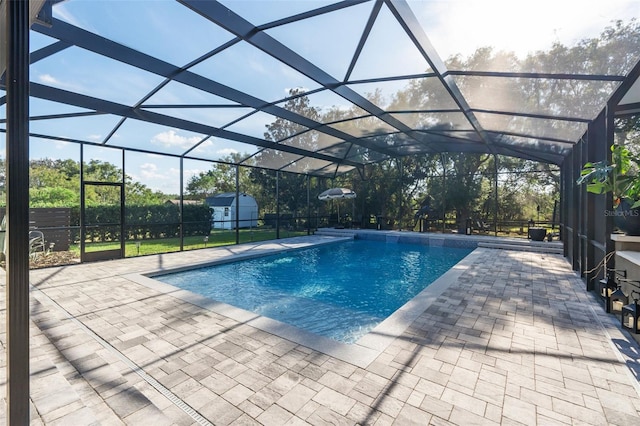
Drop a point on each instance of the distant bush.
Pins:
(147, 222)
(196, 219)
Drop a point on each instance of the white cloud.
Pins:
(257, 65)
(159, 179)
(154, 155)
(189, 173)
(150, 171)
(62, 144)
(50, 80)
(61, 12)
(227, 151)
(461, 26)
(287, 90)
(171, 138)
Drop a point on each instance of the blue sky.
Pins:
(453, 26)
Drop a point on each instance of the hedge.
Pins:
(146, 222)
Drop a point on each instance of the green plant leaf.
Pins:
(596, 188)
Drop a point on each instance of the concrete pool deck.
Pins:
(511, 338)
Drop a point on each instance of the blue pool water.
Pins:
(341, 291)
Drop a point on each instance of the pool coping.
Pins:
(361, 353)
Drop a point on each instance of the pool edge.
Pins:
(361, 353)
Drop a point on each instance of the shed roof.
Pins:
(224, 199)
(185, 202)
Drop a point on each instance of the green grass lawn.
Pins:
(166, 245)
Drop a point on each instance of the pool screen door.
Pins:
(101, 234)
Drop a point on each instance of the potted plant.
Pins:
(620, 178)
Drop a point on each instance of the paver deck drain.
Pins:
(178, 402)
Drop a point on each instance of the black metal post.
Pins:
(401, 197)
(308, 205)
(237, 204)
(444, 193)
(122, 209)
(598, 149)
(582, 216)
(181, 207)
(561, 212)
(277, 204)
(609, 245)
(17, 168)
(83, 218)
(495, 189)
(575, 204)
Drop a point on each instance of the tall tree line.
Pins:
(455, 185)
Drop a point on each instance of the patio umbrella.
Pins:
(336, 194)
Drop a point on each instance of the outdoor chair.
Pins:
(482, 226)
(36, 243)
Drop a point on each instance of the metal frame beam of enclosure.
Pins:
(181, 207)
(599, 140)
(308, 182)
(571, 200)
(237, 204)
(277, 172)
(16, 36)
(583, 215)
(89, 41)
(614, 102)
(414, 30)
(444, 193)
(586, 229)
(235, 24)
(401, 197)
(495, 195)
(562, 210)
(544, 148)
(123, 215)
(571, 225)
(83, 101)
(82, 195)
(609, 246)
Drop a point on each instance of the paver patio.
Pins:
(514, 340)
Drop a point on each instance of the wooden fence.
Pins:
(53, 222)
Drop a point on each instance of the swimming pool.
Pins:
(341, 291)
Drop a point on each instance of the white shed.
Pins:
(223, 210)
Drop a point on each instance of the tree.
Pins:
(463, 183)
(102, 171)
(138, 194)
(290, 194)
(220, 178)
(53, 197)
(627, 133)
(208, 183)
(56, 183)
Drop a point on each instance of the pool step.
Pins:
(331, 232)
(524, 246)
(554, 247)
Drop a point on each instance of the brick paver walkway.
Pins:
(513, 340)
